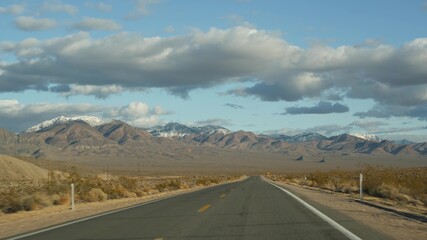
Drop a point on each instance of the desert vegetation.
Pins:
(403, 186)
(27, 195)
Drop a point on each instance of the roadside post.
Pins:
(361, 186)
(72, 196)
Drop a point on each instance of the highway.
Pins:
(250, 209)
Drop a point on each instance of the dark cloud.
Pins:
(376, 113)
(235, 106)
(387, 111)
(60, 88)
(334, 97)
(321, 108)
(419, 112)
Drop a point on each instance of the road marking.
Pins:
(204, 208)
(334, 224)
(223, 195)
(158, 238)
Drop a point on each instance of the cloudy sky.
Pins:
(271, 66)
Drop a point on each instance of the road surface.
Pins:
(250, 209)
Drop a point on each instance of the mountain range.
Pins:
(90, 140)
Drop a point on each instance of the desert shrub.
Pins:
(37, 201)
(203, 182)
(118, 191)
(94, 195)
(408, 186)
(10, 201)
(129, 183)
(174, 184)
(161, 187)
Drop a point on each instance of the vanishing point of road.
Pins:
(249, 209)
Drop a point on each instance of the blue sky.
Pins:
(264, 66)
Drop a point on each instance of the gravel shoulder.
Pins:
(393, 225)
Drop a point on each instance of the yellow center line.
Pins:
(204, 208)
(223, 195)
(158, 238)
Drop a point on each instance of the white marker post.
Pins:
(72, 196)
(361, 186)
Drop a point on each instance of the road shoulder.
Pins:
(389, 224)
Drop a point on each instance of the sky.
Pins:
(267, 66)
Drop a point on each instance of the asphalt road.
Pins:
(251, 209)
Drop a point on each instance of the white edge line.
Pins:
(107, 213)
(334, 224)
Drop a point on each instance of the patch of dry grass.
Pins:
(405, 186)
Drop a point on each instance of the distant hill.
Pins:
(121, 132)
(14, 169)
(186, 147)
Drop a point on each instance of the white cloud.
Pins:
(27, 48)
(26, 23)
(273, 69)
(140, 9)
(321, 107)
(134, 110)
(138, 114)
(89, 24)
(238, 20)
(145, 122)
(17, 116)
(214, 122)
(101, 6)
(369, 126)
(170, 29)
(57, 6)
(97, 91)
(14, 9)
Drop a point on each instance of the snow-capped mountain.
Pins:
(91, 120)
(180, 130)
(302, 137)
(368, 137)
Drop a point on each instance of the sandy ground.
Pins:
(22, 222)
(390, 224)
